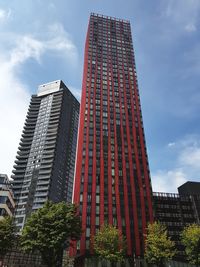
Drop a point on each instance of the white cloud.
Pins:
(56, 39)
(186, 165)
(26, 47)
(168, 180)
(14, 94)
(171, 144)
(60, 40)
(4, 14)
(183, 14)
(190, 27)
(190, 156)
(14, 98)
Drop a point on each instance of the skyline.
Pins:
(39, 47)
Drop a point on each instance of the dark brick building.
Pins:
(178, 210)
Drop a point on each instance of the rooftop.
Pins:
(109, 17)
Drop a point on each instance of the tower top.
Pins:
(48, 88)
(109, 17)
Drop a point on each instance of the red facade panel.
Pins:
(112, 181)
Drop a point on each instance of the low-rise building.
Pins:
(193, 190)
(7, 204)
(176, 211)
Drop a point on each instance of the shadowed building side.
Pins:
(44, 168)
(176, 211)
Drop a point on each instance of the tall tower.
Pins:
(44, 168)
(112, 180)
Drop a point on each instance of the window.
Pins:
(97, 220)
(97, 199)
(87, 232)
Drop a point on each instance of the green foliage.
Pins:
(7, 235)
(158, 246)
(109, 244)
(48, 229)
(191, 241)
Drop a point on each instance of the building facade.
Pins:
(44, 168)
(193, 190)
(7, 204)
(112, 180)
(189, 188)
(176, 211)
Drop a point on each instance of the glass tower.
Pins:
(44, 168)
(112, 179)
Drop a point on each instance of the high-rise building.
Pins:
(44, 168)
(112, 180)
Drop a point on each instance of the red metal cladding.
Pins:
(93, 197)
(112, 183)
(78, 169)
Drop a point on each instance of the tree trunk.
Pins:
(197, 261)
(113, 264)
(161, 264)
(1, 260)
(49, 258)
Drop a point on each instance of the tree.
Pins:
(191, 240)
(7, 235)
(48, 229)
(158, 246)
(109, 244)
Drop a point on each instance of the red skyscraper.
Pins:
(112, 181)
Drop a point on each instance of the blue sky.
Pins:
(42, 41)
